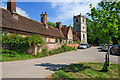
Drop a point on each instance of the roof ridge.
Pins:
(23, 16)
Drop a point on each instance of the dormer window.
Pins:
(46, 26)
(15, 17)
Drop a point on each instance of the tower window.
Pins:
(83, 20)
(83, 27)
(83, 35)
(76, 20)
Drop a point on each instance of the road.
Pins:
(42, 67)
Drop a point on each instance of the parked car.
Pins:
(105, 47)
(91, 45)
(83, 46)
(114, 49)
(101, 45)
(88, 46)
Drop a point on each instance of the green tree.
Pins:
(107, 17)
(93, 32)
(51, 24)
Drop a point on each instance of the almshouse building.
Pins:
(12, 22)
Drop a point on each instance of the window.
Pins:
(76, 20)
(83, 20)
(52, 40)
(83, 35)
(83, 27)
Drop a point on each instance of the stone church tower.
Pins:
(80, 27)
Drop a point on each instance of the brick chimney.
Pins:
(58, 25)
(44, 18)
(11, 5)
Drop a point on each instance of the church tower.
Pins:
(80, 27)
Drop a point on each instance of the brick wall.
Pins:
(52, 46)
(73, 45)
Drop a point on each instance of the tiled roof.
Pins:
(28, 25)
(75, 38)
(65, 31)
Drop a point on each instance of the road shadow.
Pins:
(67, 68)
(52, 67)
(114, 55)
(100, 50)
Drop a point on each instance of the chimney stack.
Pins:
(58, 25)
(11, 5)
(44, 18)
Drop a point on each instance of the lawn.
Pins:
(86, 70)
(9, 57)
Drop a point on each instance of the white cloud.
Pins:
(21, 12)
(66, 10)
(18, 10)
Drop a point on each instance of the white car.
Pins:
(83, 46)
(105, 47)
(101, 45)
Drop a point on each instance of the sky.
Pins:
(57, 11)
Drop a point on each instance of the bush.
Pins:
(78, 41)
(18, 43)
(51, 52)
(45, 52)
(75, 42)
(6, 51)
(38, 55)
(56, 51)
(61, 50)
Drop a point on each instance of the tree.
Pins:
(107, 17)
(51, 24)
(93, 32)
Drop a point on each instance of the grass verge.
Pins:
(10, 55)
(86, 70)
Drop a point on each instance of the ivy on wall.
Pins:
(18, 43)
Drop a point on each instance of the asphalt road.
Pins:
(42, 67)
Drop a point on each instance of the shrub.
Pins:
(61, 50)
(78, 41)
(18, 43)
(6, 51)
(51, 52)
(75, 42)
(39, 55)
(45, 52)
(71, 48)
